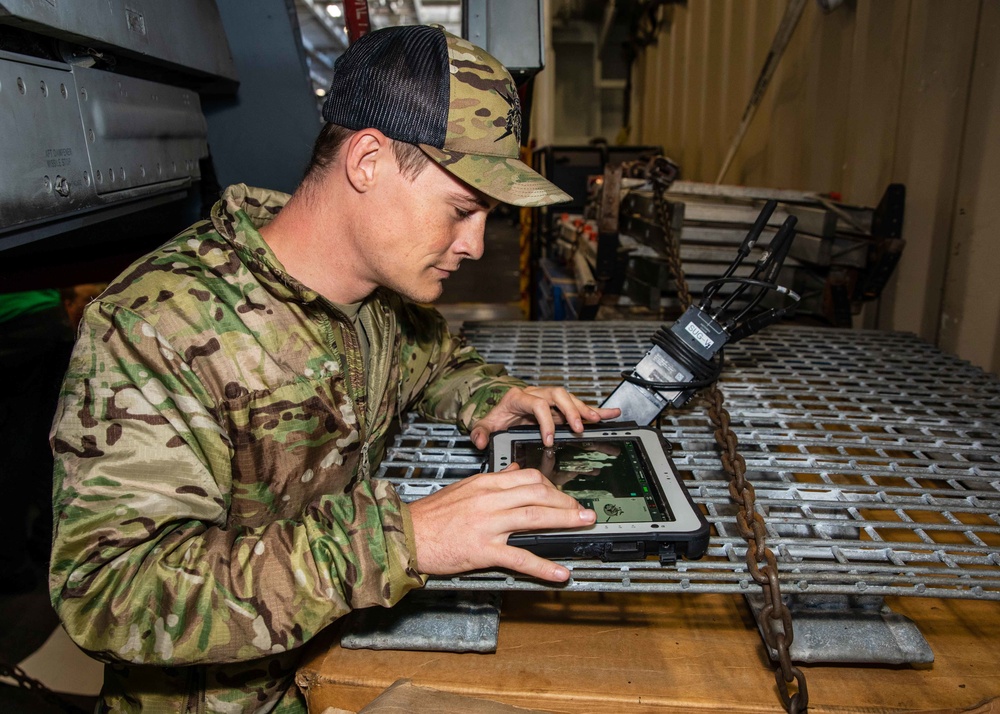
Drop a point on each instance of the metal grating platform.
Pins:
(875, 457)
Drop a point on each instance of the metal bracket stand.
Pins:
(435, 620)
(848, 629)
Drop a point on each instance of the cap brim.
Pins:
(507, 180)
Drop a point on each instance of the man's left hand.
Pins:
(545, 406)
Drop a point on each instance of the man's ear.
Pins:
(365, 154)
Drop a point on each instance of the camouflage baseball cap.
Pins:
(425, 86)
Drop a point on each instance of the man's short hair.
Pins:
(410, 159)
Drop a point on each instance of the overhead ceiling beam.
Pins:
(319, 82)
(321, 57)
(327, 23)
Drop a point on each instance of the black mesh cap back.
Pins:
(395, 80)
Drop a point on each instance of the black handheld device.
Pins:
(624, 473)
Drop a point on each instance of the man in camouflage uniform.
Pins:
(230, 393)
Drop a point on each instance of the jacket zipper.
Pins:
(356, 379)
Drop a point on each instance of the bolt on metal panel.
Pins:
(44, 154)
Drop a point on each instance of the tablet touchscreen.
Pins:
(612, 477)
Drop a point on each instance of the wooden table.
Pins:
(582, 652)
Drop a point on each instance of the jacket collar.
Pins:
(238, 217)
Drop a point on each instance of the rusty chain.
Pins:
(775, 618)
(23, 681)
(662, 175)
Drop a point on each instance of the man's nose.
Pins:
(471, 242)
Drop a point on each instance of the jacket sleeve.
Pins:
(444, 378)
(145, 568)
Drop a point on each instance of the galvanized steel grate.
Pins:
(875, 457)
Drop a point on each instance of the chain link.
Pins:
(775, 618)
(23, 681)
(671, 243)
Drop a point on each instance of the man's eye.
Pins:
(462, 214)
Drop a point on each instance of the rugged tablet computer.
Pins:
(622, 473)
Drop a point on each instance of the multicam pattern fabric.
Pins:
(213, 506)
(483, 140)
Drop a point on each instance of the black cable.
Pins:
(750, 282)
(765, 287)
(706, 371)
(767, 267)
(784, 239)
(779, 248)
(717, 315)
(745, 247)
(659, 386)
(743, 284)
(758, 227)
(757, 323)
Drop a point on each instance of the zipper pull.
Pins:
(365, 468)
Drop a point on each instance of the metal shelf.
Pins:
(875, 458)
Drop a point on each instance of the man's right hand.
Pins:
(465, 526)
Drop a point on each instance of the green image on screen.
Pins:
(609, 477)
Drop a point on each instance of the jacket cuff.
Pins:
(482, 401)
(404, 573)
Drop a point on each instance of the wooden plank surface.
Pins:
(656, 653)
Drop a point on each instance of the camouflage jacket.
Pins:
(214, 440)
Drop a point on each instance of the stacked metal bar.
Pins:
(841, 255)
(875, 457)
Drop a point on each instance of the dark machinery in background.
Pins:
(607, 254)
(573, 169)
(121, 120)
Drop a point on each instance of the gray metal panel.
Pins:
(844, 433)
(510, 30)
(139, 132)
(84, 140)
(43, 142)
(125, 203)
(183, 33)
